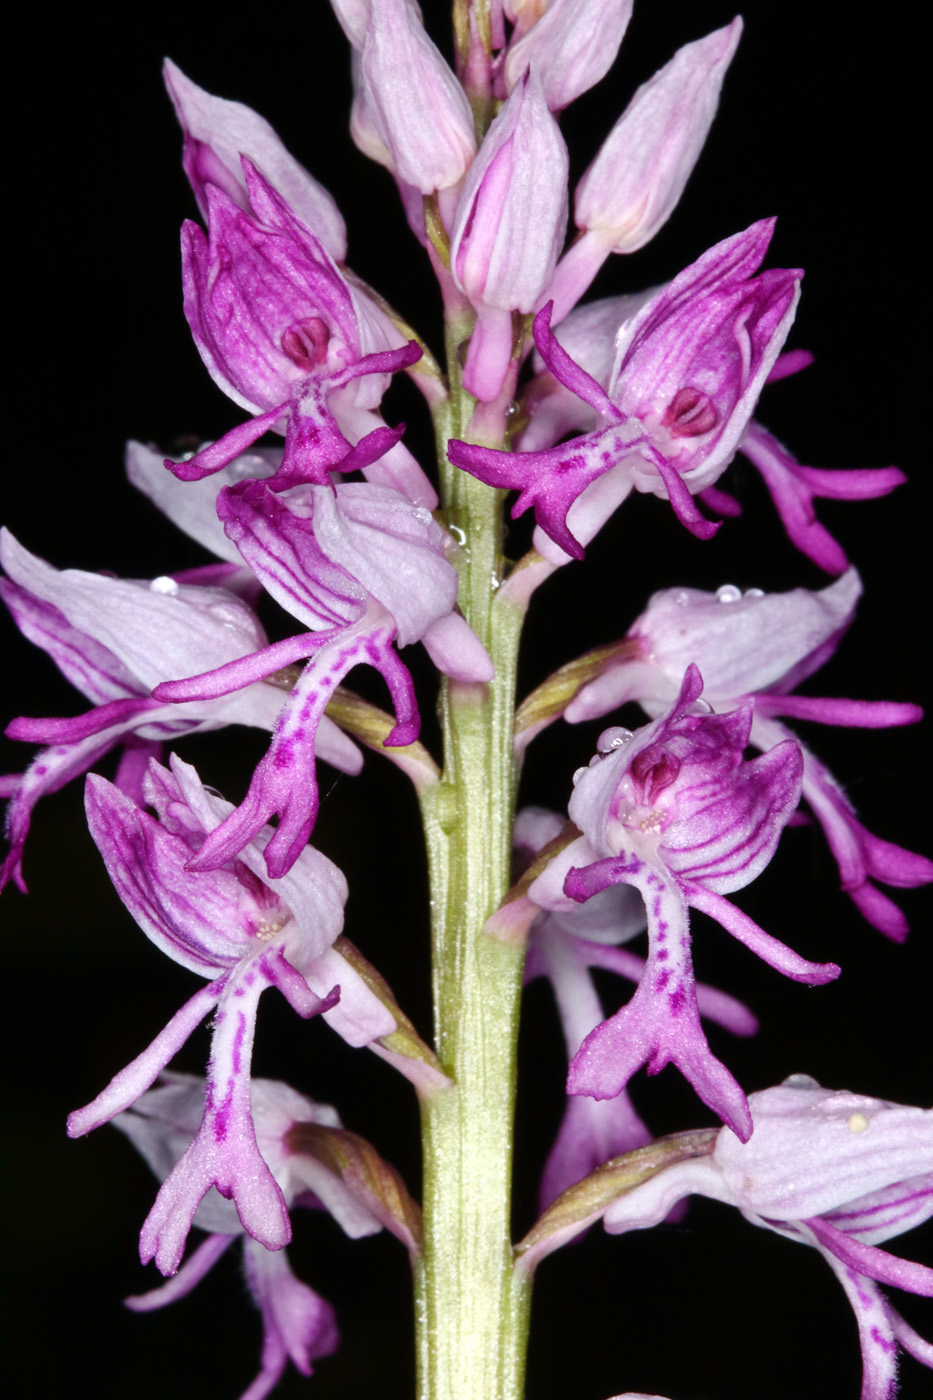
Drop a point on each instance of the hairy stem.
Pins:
(472, 1306)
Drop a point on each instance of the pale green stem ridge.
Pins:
(471, 1303)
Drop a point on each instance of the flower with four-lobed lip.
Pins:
(245, 933)
(841, 1172)
(677, 812)
(757, 648)
(689, 366)
(298, 1324)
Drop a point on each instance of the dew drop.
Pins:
(681, 597)
(754, 593)
(729, 593)
(458, 534)
(164, 584)
(578, 775)
(613, 738)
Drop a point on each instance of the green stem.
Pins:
(471, 1304)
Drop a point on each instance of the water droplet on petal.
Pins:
(754, 593)
(422, 515)
(729, 593)
(578, 775)
(681, 597)
(458, 534)
(164, 584)
(613, 738)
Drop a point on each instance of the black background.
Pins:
(817, 124)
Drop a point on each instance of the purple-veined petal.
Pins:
(661, 1023)
(224, 1153)
(793, 488)
(510, 221)
(298, 1324)
(218, 133)
(763, 945)
(197, 1266)
(284, 782)
(133, 1081)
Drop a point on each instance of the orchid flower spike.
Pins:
(243, 932)
(676, 811)
(284, 334)
(689, 367)
(361, 568)
(757, 648)
(298, 1324)
(115, 640)
(564, 946)
(840, 1172)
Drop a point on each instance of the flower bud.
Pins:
(416, 107)
(509, 227)
(218, 133)
(572, 45)
(638, 176)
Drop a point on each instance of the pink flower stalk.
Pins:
(115, 640)
(284, 335)
(509, 228)
(757, 648)
(675, 811)
(688, 370)
(838, 1171)
(361, 567)
(572, 45)
(298, 1324)
(243, 932)
(219, 133)
(564, 945)
(634, 184)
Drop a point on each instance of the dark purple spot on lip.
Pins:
(305, 343)
(238, 1039)
(689, 413)
(886, 1343)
